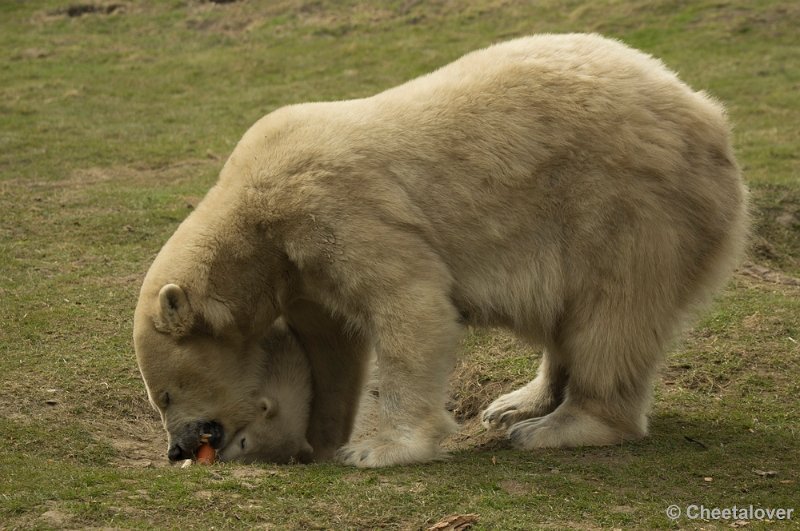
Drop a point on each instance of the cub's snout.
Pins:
(185, 441)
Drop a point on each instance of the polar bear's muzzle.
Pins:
(185, 441)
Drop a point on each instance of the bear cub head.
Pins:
(278, 432)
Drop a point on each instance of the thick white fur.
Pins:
(278, 433)
(567, 187)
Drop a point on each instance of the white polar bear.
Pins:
(278, 433)
(566, 187)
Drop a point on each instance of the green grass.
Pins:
(112, 126)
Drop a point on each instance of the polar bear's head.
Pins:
(201, 378)
(277, 435)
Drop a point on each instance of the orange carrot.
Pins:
(206, 455)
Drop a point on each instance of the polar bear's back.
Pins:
(591, 157)
(552, 90)
(579, 53)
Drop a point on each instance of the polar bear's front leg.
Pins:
(337, 360)
(416, 338)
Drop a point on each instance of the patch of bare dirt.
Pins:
(455, 522)
(515, 488)
(767, 274)
(476, 382)
(776, 229)
(741, 20)
(143, 445)
(55, 518)
(176, 173)
(324, 18)
(97, 8)
(79, 10)
(473, 436)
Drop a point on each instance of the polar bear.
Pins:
(278, 433)
(566, 187)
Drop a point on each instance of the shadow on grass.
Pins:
(675, 442)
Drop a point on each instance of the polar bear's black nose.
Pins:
(176, 453)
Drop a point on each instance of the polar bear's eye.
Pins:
(166, 399)
(242, 443)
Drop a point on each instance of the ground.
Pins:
(116, 118)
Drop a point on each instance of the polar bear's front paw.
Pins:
(380, 452)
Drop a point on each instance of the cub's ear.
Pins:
(269, 408)
(175, 314)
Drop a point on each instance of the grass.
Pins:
(114, 124)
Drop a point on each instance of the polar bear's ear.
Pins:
(175, 314)
(269, 408)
